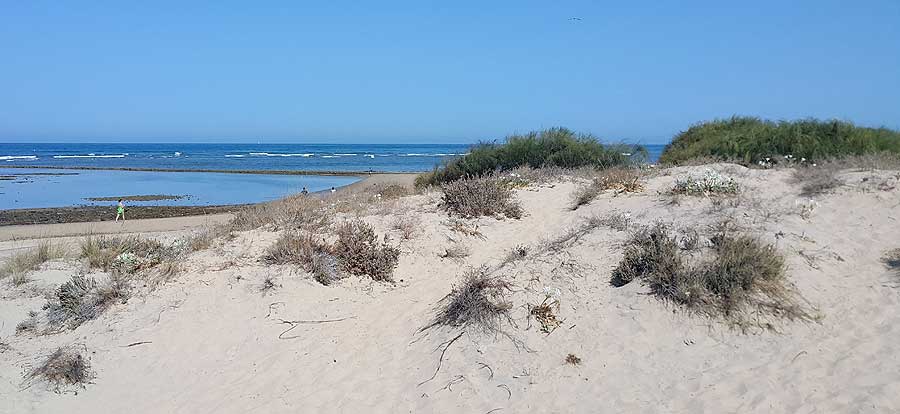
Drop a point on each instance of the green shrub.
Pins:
(751, 140)
(555, 147)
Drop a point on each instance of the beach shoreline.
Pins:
(97, 214)
(220, 171)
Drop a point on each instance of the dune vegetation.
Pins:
(750, 140)
(554, 147)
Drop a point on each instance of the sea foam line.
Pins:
(268, 154)
(92, 155)
(18, 157)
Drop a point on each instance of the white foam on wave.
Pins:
(18, 157)
(235, 155)
(330, 156)
(370, 155)
(346, 155)
(269, 154)
(92, 155)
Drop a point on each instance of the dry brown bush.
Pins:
(476, 197)
(313, 254)
(619, 180)
(479, 302)
(63, 368)
(741, 276)
(82, 299)
(360, 253)
(407, 226)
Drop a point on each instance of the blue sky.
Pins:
(418, 71)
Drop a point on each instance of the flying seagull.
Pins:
(577, 19)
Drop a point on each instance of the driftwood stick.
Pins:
(441, 359)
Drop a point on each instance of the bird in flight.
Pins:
(575, 19)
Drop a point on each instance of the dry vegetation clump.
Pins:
(616, 221)
(390, 191)
(816, 180)
(268, 284)
(82, 299)
(456, 250)
(407, 226)
(479, 302)
(573, 235)
(738, 277)
(129, 255)
(20, 264)
(464, 228)
(476, 197)
(66, 367)
(619, 180)
(891, 259)
(297, 212)
(545, 316)
(571, 359)
(516, 253)
(360, 253)
(29, 325)
(314, 255)
(357, 251)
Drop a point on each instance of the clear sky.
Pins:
(448, 71)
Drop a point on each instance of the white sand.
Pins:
(215, 347)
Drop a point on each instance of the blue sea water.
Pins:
(36, 188)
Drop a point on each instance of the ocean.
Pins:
(34, 187)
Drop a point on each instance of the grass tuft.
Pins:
(83, 298)
(479, 302)
(20, 264)
(741, 276)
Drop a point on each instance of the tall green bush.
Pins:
(750, 140)
(555, 147)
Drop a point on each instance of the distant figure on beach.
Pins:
(120, 211)
(305, 191)
(333, 190)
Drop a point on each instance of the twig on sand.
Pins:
(494, 410)
(441, 359)
(271, 306)
(507, 390)
(483, 366)
(136, 344)
(296, 323)
(456, 380)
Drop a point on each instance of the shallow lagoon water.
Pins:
(38, 188)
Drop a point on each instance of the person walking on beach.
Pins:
(333, 190)
(120, 211)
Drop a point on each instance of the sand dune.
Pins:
(211, 341)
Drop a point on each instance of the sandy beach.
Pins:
(218, 338)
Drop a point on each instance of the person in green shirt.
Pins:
(120, 211)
